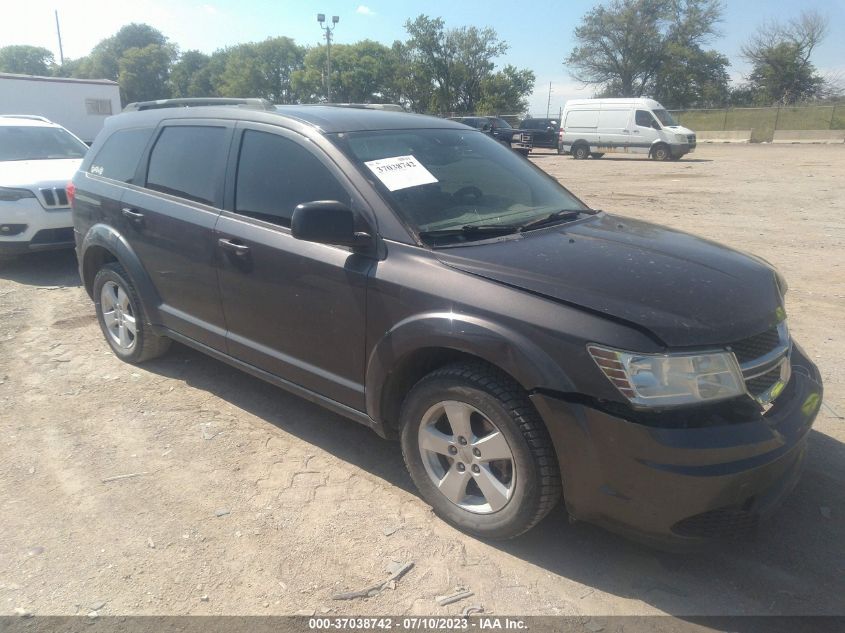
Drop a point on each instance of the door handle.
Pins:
(233, 247)
(132, 214)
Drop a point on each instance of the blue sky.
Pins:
(539, 31)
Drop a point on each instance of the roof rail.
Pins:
(258, 104)
(31, 117)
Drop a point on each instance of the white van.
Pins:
(592, 127)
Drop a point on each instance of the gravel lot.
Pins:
(247, 500)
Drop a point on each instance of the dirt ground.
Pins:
(247, 500)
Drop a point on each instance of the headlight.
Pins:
(659, 380)
(12, 195)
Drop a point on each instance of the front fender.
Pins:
(500, 346)
(106, 237)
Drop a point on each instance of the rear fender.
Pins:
(106, 237)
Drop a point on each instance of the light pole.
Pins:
(321, 18)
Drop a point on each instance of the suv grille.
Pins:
(764, 360)
(759, 385)
(756, 346)
(54, 197)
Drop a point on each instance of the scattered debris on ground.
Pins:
(400, 570)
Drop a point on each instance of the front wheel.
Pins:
(478, 451)
(661, 152)
(524, 152)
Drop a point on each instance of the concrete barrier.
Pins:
(723, 136)
(809, 136)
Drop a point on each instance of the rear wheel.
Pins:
(478, 451)
(661, 152)
(581, 152)
(122, 318)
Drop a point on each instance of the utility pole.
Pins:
(321, 18)
(549, 104)
(59, 33)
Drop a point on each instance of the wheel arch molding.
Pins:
(103, 243)
(422, 343)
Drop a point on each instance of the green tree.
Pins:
(693, 78)
(634, 47)
(143, 73)
(506, 92)
(26, 60)
(780, 57)
(104, 60)
(451, 66)
(434, 55)
(264, 69)
(190, 76)
(364, 72)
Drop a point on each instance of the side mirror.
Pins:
(326, 222)
(486, 127)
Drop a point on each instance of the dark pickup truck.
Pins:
(500, 130)
(544, 132)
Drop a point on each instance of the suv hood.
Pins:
(686, 290)
(29, 173)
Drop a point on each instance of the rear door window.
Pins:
(189, 161)
(119, 156)
(276, 174)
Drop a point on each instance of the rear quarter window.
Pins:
(118, 157)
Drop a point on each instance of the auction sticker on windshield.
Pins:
(400, 172)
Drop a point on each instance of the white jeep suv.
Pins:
(37, 160)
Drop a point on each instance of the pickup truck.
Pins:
(544, 132)
(500, 130)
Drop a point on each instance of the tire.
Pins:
(122, 317)
(560, 150)
(597, 154)
(524, 152)
(580, 152)
(454, 422)
(661, 152)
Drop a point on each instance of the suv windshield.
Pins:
(502, 123)
(38, 143)
(442, 180)
(664, 117)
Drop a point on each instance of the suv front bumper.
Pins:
(675, 486)
(34, 228)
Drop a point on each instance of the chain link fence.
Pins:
(764, 121)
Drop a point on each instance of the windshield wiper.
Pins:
(474, 230)
(551, 218)
(481, 230)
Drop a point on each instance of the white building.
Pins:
(80, 105)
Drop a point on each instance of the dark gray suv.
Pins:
(416, 276)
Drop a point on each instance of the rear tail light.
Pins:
(70, 190)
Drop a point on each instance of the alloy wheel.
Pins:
(118, 316)
(467, 457)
